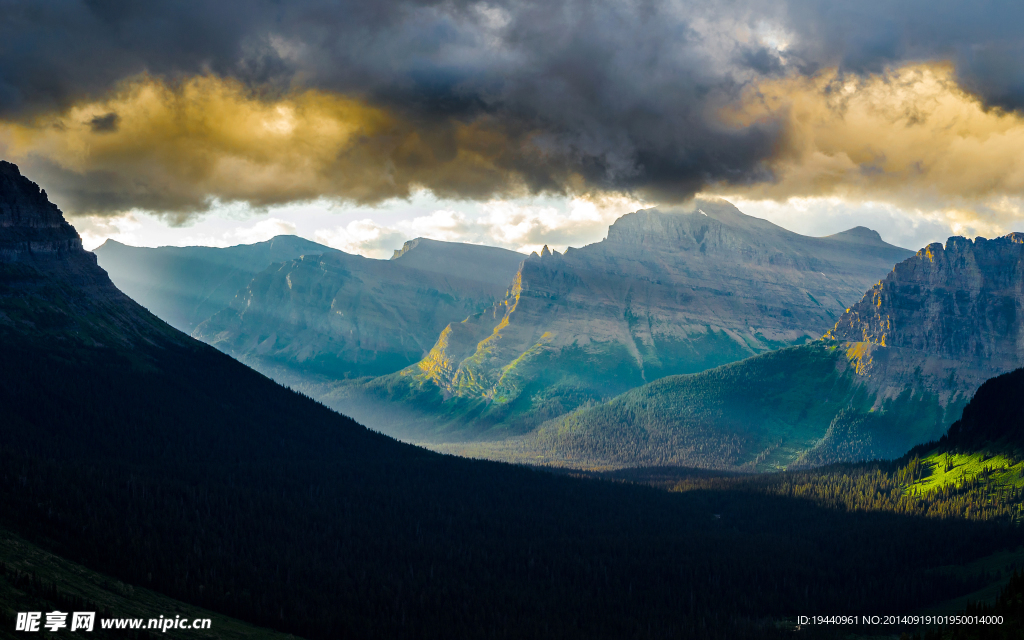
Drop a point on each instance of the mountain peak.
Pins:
(33, 227)
(110, 243)
(22, 202)
(406, 248)
(53, 288)
(858, 235)
(713, 222)
(291, 243)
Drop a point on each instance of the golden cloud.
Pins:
(910, 136)
(173, 148)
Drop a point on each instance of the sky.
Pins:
(362, 124)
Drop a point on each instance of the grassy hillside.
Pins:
(945, 468)
(795, 405)
(982, 453)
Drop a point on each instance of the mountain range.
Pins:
(665, 293)
(895, 371)
(718, 309)
(160, 462)
(337, 316)
(486, 343)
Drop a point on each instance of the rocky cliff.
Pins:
(665, 293)
(953, 313)
(33, 227)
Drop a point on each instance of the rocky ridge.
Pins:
(952, 316)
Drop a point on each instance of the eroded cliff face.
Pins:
(945, 320)
(665, 293)
(962, 301)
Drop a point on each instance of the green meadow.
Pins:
(943, 469)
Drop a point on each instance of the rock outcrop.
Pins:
(33, 227)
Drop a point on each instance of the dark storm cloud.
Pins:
(983, 39)
(623, 94)
(106, 123)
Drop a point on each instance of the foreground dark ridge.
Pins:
(139, 452)
(33, 580)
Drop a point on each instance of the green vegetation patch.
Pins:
(951, 469)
